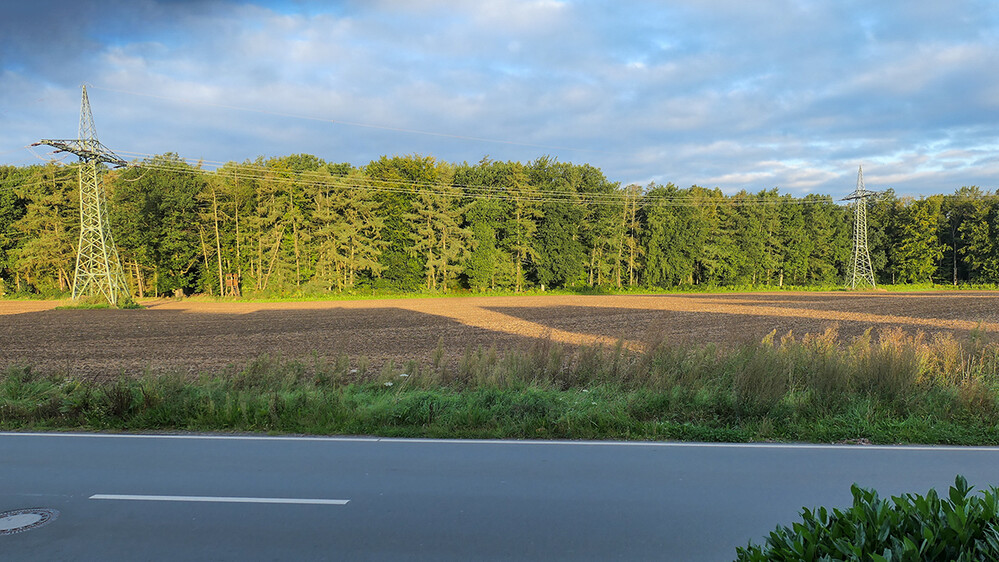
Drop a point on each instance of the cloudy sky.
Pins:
(793, 94)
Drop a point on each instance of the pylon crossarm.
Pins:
(87, 149)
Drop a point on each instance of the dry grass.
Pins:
(880, 386)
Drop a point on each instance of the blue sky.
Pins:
(790, 94)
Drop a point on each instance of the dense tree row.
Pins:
(299, 225)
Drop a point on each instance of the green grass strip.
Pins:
(894, 388)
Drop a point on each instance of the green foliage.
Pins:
(522, 221)
(436, 232)
(960, 526)
(978, 234)
(891, 389)
(47, 229)
(792, 250)
(485, 219)
(918, 250)
(347, 227)
(12, 208)
(558, 254)
(402, 266)
(156, 223)
(297, 226)
(883, 216)
(675, 231)
(830, 227)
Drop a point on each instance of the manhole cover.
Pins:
(20, 520)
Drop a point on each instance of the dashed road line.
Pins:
(219, 499)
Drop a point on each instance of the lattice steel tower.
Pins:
(98, 267)
(863, 271)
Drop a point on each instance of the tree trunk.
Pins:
(444, 260)
(239, 260)
(274, 253)
(520, 256)
(260, 263)
(204, 251)
(298, 261)
(352, 269)
(218, 242)
(593, 252)
(617, 262)
(955, 260)
(138, 281)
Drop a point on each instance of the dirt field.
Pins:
(194, 336)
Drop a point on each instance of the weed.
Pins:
(897, 388)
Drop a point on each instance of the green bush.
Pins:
(960, 527)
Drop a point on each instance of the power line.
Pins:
(61, 178)
(266, 173)
(478, 192)
(2, 152)
(254, 172)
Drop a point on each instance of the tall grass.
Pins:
(889, 386)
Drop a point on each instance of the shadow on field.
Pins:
(680, 327)
(104, 342)
(110, 342)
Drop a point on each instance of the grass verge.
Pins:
(889, 388)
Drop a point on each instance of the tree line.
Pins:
(297, 225)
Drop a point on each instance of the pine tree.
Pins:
(715, 257)
(793, 244)
(674, 236)
(348, 229)
(979, 233)
(883, 210)
(484, 219)
(12, 208)
(397, 181)
(49, 228)
(830, 229)
(438, 236)
(521, 223)
(558, 253)
(631, 234)
(956, 210)
(155, 214)
(919, 249)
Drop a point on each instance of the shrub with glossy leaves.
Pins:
(960, 527)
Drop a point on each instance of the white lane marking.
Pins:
(400, 440)
(218, 499)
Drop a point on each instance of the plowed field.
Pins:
(195, 336)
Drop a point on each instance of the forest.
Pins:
(297, 226)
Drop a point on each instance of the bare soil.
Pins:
(194, 336)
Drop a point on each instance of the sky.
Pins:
(792, 94)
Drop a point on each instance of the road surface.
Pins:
(212, 497)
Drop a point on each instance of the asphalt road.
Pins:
(200, 497)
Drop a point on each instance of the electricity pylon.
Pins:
(98, 266)
(863, 271)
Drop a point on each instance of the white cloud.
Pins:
(787, 93)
